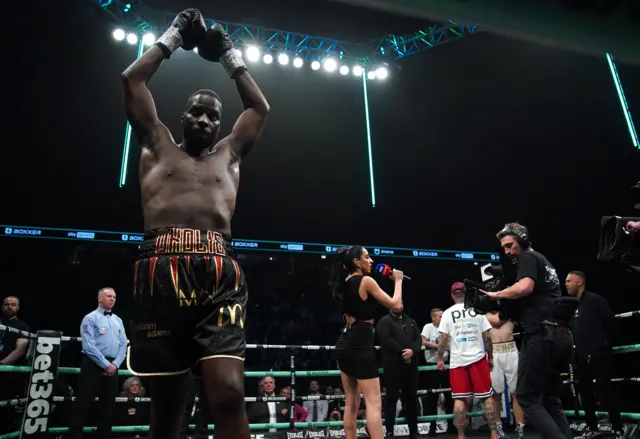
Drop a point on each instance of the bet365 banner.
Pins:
(44, 371)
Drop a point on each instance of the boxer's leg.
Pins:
(224, 387)
(169, 397)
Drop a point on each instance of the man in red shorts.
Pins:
(466, 335)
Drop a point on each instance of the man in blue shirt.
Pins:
(104, 345)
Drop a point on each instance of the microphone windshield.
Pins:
(383, 269)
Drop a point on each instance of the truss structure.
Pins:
(135, 15)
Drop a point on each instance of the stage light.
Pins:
(148, 39)
(195, 50)
(253, 53)
(118, 35)
(132, 39)
(267, 58)
(371, 75)
(382, 73)
(298, 62)
(283, 59)
(330, 65)
(315, 65)
(344, 70)
(357, 70)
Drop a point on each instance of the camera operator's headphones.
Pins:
(519, 231)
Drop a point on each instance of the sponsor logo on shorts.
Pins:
(190, 241)
(150, 330)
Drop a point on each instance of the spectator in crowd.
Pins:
(318, 409)
(13, 344)
(336, 406)
(436, 379)
(132, 388)
(104, 345)
(131, 412)
(328, 390)
(13, 349)
(261, 386)
(268, 412)
(299, 414)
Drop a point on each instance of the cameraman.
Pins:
(547, 343)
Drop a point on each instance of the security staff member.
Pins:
(546, 343)
(400, 343)
(593, 328)
(104, 345)
(13, 349)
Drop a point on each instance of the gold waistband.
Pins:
(505, 346)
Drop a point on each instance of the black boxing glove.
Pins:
(218, 47)
(186, 31)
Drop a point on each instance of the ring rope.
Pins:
(623, 315)
(292, 374)
(284, 425)
(276, 374)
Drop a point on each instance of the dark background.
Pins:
(466, 136)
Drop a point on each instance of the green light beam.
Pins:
(127, 134)
(623, 100)
(366, 118)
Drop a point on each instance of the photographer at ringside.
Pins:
(547, 343)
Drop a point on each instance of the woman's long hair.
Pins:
(342, 267)
(127, 383)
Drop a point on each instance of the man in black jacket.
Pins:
(400, 345)
(546, 337)
(593, 327)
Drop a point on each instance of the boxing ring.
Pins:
(48, 344)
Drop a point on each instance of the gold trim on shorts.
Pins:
(504, 347)
(150, 374)
(210, 357)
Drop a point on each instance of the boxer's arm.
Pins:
(488, 344)
(122, 349)
(494, 320)
(89, 344)
(443, 344)
(138, 102)
(248, 128)
(21, 349)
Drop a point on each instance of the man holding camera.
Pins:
(547, 342)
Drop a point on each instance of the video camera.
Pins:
(616, 242)
(493, 279)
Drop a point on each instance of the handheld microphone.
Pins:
(385, 270)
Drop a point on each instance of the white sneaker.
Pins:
(588, 434)
(500, 431)
(520, 431)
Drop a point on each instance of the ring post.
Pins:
(574, 394)
(292, 401)
(44, 371)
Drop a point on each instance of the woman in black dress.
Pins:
(358, 294)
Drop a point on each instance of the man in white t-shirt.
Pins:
(436, 379)
(467, 336)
